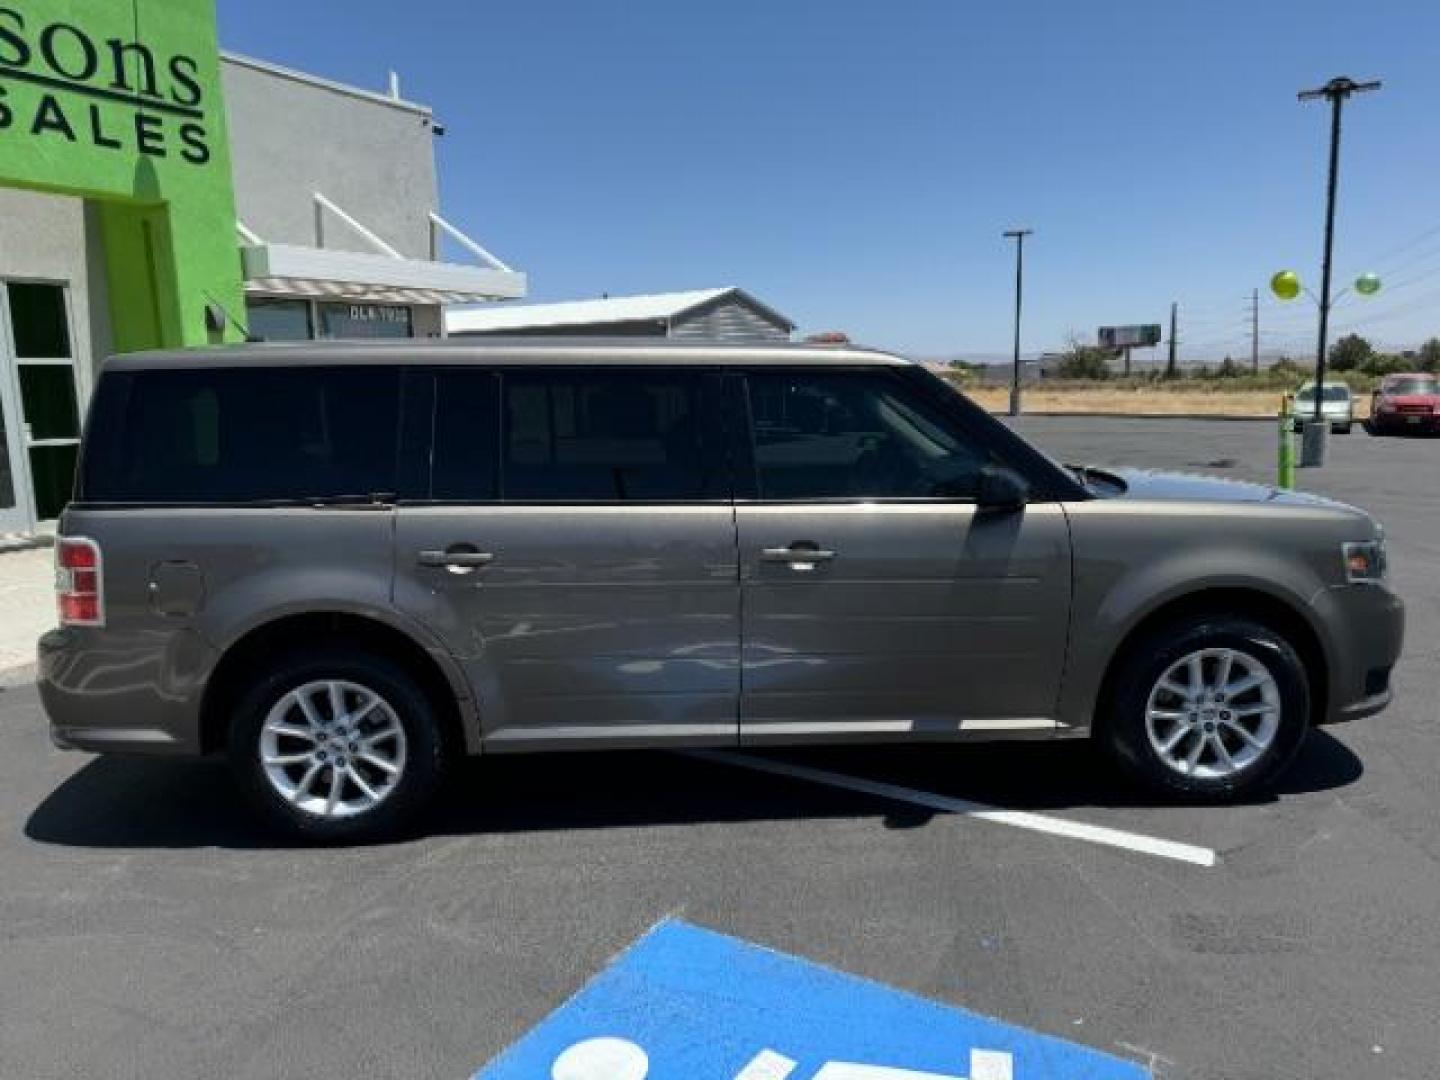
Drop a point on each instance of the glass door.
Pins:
(42, 358)
(14, 515)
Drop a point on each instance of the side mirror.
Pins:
(1001, 490)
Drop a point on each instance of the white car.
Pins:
(1337, 405)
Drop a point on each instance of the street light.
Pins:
(1286, 285)
(1018, 235)
(1336, 91)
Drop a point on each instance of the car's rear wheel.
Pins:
(1341, 429)
(1210, 709)
(336, 746)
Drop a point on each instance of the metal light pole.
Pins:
(1336, 91)
(1018, 235)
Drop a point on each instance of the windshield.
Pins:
(1414, 384)
(1332, 393)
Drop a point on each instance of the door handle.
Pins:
(801, 556)
(459, 561)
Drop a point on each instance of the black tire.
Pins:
(1123, 723)
(424, 749)
(1341, 429)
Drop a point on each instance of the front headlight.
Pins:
(1365, 560)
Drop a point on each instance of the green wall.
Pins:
(119, 101)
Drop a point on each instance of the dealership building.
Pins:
(156, 192)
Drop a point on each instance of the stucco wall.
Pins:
(45, 238)
(290, 138)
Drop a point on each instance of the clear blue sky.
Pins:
(855, 163)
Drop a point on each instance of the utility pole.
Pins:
(1255, 331)
(1018, 235)
(1170, 371)
(1336, 91)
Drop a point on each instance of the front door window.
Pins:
(847, 436)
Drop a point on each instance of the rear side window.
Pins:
(226, 435)
(602, 436)
(465, 456)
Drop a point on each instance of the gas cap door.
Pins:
(177, 589)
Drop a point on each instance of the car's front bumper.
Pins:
(1366, 627)
(1428, 423)
(1297, 423)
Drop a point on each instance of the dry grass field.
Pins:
(1152, 400)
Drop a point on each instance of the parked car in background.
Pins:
(1337, 404)
(1406, 402)
(345, 565)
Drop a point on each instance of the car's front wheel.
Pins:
(1211, 708)
(336, 746)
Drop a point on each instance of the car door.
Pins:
(569, 537)
(878, 599)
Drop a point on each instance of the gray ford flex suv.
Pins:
(344, 565)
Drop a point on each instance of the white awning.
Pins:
(296, 270)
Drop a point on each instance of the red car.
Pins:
(1407, 402)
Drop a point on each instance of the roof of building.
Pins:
(612, 309)
(599, 351)
(294, 75)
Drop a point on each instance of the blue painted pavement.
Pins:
(684, 1003)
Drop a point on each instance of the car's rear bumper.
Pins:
(109, 692)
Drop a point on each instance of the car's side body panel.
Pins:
(932, 621)
(592, 624)
(184, 585)
(1133, 557)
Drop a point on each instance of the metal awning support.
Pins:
(439, 225)
(322, 204)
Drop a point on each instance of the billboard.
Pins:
(1126, 337)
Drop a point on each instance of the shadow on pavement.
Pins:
(138, 803)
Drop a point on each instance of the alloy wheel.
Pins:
(332, 748)
(1213, 714)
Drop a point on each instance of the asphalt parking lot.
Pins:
(147, 930)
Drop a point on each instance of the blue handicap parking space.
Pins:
(689, 1004)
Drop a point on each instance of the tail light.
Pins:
(78, 585)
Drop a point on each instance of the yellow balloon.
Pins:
(1367, 284)
(1286, 284)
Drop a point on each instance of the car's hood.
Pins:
(1196, 487)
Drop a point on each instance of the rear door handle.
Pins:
(801, 556)
(459, 561)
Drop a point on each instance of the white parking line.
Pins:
(1020, 819)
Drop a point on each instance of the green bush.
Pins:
(1087, 362)
(1351, 353)
(1429, 359)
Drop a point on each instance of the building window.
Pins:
(37, 318)
(346, 320)
(279, 320)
